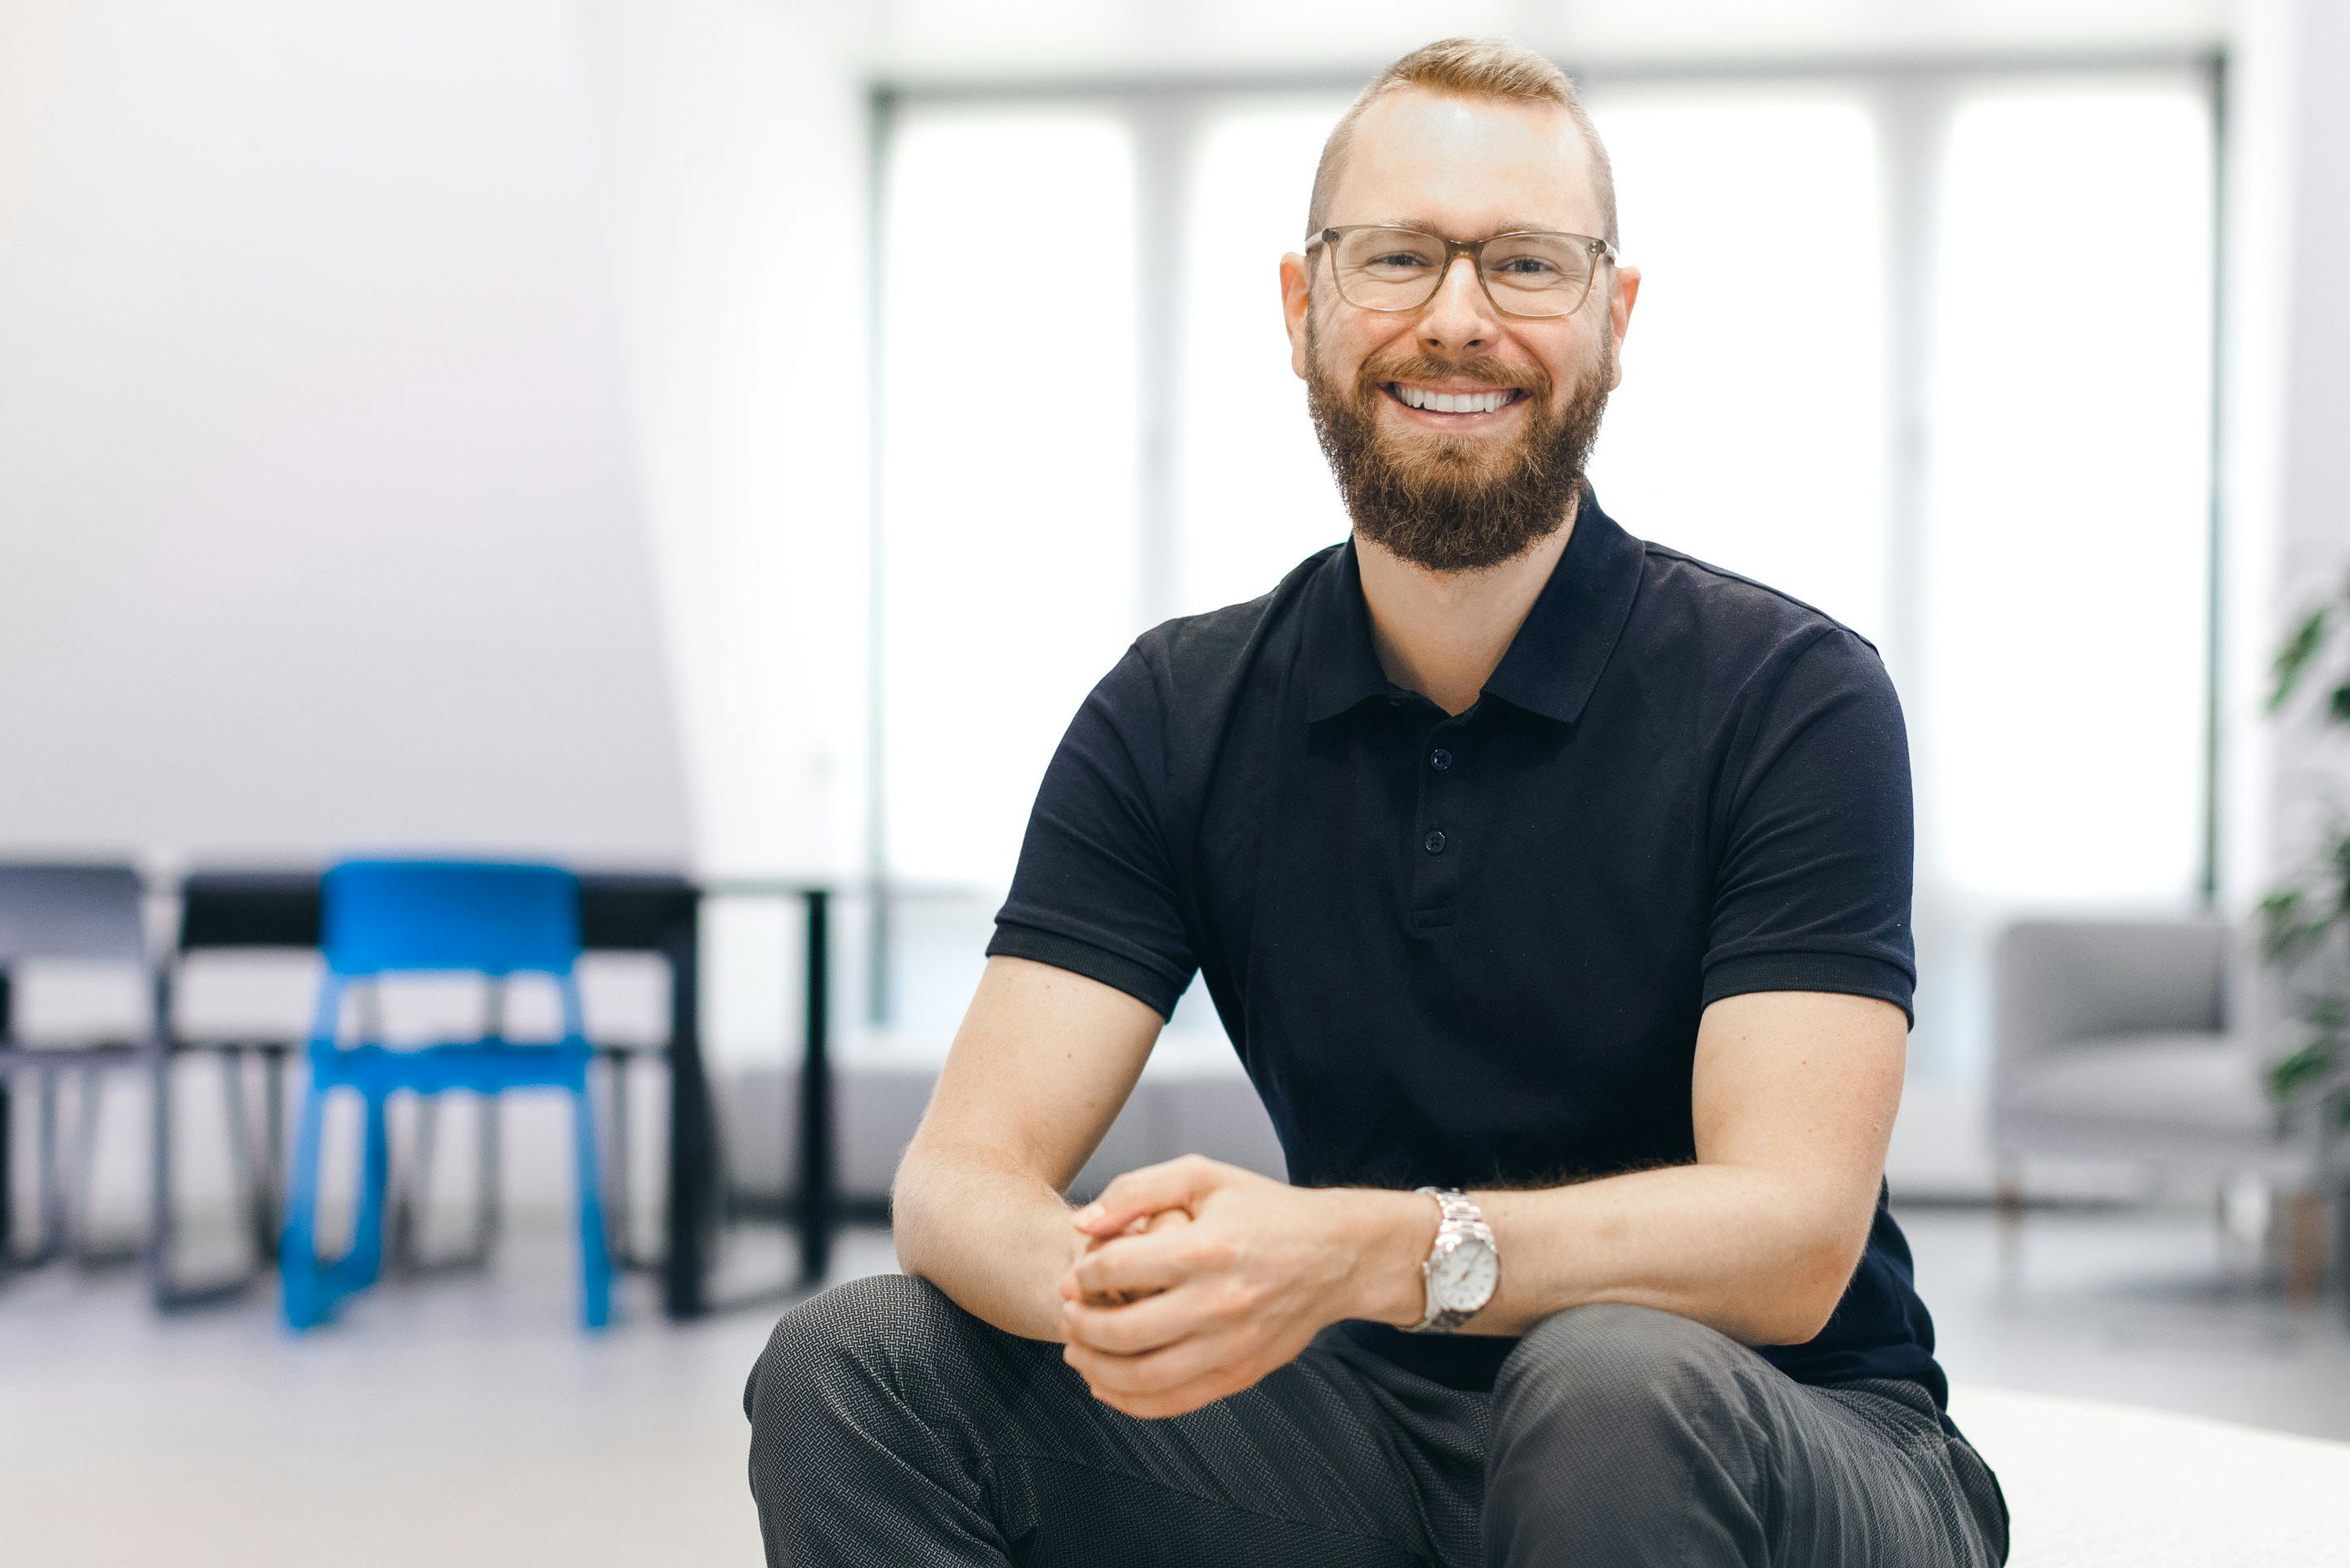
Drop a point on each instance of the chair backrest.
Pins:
(2059, 980)
(383, 917)
(70, 912)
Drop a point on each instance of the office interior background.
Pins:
(547, 430)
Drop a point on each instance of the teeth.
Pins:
(1451, 403)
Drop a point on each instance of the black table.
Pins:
(619, 911)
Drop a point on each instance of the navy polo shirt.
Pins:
(1472, 951)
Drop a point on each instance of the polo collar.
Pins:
(1552, 665)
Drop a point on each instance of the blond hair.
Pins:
(1467, 67)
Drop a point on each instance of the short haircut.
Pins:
(1467, 67)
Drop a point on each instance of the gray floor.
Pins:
(463, 1421)
(2143, 1306)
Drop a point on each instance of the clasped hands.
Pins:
(1193, 1279)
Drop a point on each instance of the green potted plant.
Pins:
(2305, 925)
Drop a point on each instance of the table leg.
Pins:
(692, 1186)
(816, 1195)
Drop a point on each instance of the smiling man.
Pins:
(1555, 890)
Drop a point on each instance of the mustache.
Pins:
(1485, 369)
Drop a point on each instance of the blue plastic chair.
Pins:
(393, 917)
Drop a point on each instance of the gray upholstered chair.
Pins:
(84, 913)
(96, 914)
(2118, 1040)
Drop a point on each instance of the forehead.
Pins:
(1470, 166)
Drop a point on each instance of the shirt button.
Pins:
(1434, 842)
(1440, 759)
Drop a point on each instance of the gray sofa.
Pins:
(2120, 1040)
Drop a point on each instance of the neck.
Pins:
(1441, 634)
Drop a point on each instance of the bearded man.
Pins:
(1555, 890)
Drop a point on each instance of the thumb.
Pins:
(1177, 1184)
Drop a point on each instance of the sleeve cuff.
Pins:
(1140, 981)
(1850, 974)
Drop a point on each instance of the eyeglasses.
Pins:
(1531, 273)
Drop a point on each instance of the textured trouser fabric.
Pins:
(888, 1426)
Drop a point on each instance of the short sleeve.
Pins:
(1094, 892)
(1813, 883)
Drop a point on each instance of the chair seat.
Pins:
(2190, 1081)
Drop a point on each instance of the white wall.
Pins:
(319, 521)
(733, 138)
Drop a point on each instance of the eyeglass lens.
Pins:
(1527, 275)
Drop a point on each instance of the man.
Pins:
(1555, 890)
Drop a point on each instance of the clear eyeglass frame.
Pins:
(1596, 249)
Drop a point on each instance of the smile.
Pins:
(1428, 400)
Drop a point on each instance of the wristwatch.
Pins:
(1464, 1268)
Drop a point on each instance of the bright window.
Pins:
(2070, 488)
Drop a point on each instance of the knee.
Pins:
(1623, 1374)
(888, 1332)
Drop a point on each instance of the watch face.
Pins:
(1464, 1277)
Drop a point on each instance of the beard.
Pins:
(1453, 504)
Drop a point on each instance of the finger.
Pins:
(1167, 1220)
(1176, 1184)
(1153, 1262)
(1150, 1323)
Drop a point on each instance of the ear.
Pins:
(1620, 300)
(1296, 299)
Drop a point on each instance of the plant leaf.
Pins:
(2293, 661)
(2289, 1076)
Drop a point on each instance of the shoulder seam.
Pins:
(1668, 553)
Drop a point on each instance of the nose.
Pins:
(1460, 315)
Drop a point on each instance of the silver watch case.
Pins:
(1461, 1230)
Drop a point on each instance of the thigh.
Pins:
(1000, 1449)
(1629, 1435)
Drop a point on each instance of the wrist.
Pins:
(1391, 1234)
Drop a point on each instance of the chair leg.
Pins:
(595, 1256)
(270, 1210)
(616, 1203)
(297, 1261)
(2304, 1246)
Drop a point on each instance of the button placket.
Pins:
(1436, 851)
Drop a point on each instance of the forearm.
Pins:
(996, 1239)
(1761, 1255)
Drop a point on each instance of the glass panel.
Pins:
(1255, 497)
(1750, 429)
(2065, 561)
(1008, 465)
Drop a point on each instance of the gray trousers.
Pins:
(888, 1426)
